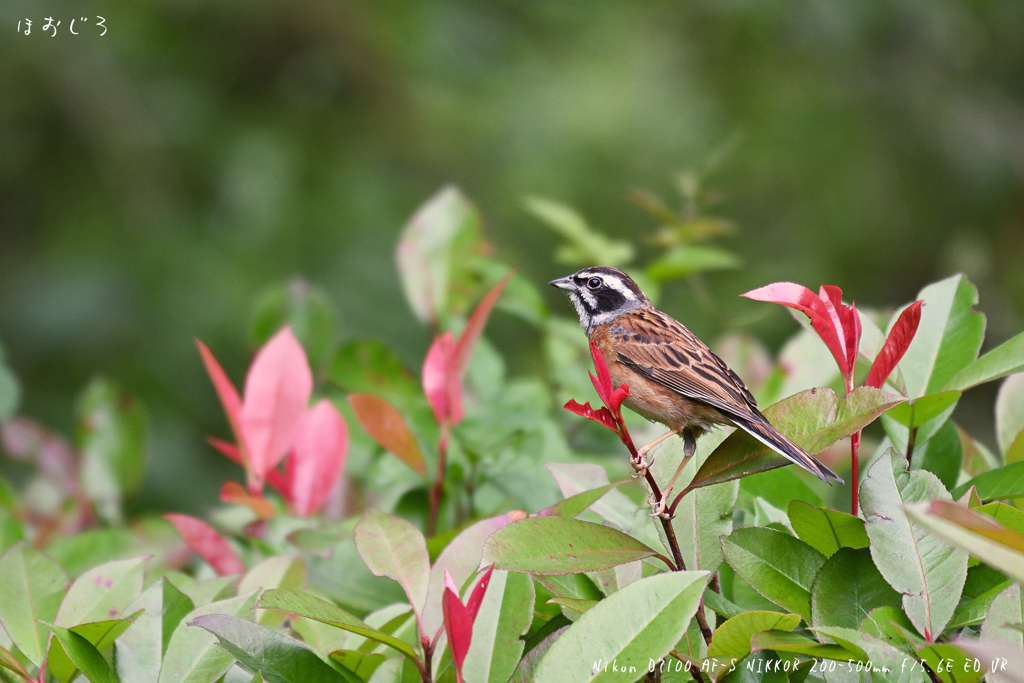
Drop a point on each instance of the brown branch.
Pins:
(694, 671)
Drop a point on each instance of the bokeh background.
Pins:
(155, 181)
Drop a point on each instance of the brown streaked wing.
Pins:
(663, 350)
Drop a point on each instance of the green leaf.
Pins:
(687, 259)
(941, 455)
(433, 249)
(84, 655)
(362, 664)
(575, 604)
(140, 651)
(9, 661)
(33, 588)
(585, 246)
(345, 579)
(505, 616)
(732, 639)
(951, 664)
(192, 655)
(87, 549)
(100, 635)
(780, 567)
(1004, 558)
(111, 437)
(371, 367)
(641, 622)
(722, 606)
(560, 545)
(102, 593)
(1005, 359)
(885, 623)
(779, 487)
(305, 308)
(928, 573)
(1010, 411)
(826, 530)
(210, 590)
(814, 419)
(278, 658)
(865, 648)
(847, 588)
(948, 338)
(574, 506)
(311, 607)
(982, 586)
(787, 642)
(392, 547)
(916, 412)
(279, 571)
(1003, 482)
(1005, 615)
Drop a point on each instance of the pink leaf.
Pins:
(603, 382)
(458, 624)
(233, 492)
(602, 415)
(476, 598)
(277, 391)
(228, 397)
(207, 543)
(387, 427)
(441, 382)
(896, 344)
(821, 314)
(475, 327)
(280, 484)
(315, 463)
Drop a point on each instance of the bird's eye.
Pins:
(594, 282)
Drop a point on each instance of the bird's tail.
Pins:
(764, 432)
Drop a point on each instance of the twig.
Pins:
(666, 561)
(694, 671)
(854, 448)
(910, 444)
(931, 674)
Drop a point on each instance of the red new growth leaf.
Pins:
(602, 415)
(315, 463)
(475, 327)
(441, 381)
(207, 543)
(387, 427)
(233, 492)
(476, 598)
(824, 317)
(228, 449)
(896, 344)
(458, 618)
(277, 391)
(228, 397)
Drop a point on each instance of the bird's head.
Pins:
(600, 295)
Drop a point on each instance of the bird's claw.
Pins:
(658, 507)
(641, 465)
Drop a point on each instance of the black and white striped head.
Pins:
(601, 295)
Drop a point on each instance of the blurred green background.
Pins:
(156, 180)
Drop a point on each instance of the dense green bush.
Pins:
(463, 527)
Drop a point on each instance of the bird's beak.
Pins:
(563, 283)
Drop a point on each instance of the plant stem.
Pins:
(694, 671)
(854, 448)
(435, 491)
(910, 445)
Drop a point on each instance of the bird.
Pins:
(673, 377)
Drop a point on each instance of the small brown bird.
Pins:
(673, 377)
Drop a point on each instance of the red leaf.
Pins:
(233, 492)
(387, 427)
(277, 391)
(207, 543)
(603, 382)
(896, 344)
(476, 598)
(602, 415)
(315, 463)
(228, 398)
(617, 397)
(475, 327)
(458, 624)
(280, 484)
(228, 449)
(821, 314)
(441, 382)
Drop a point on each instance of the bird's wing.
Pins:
(663, 350)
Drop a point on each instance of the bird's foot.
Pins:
(659, 506)
(641, 464)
